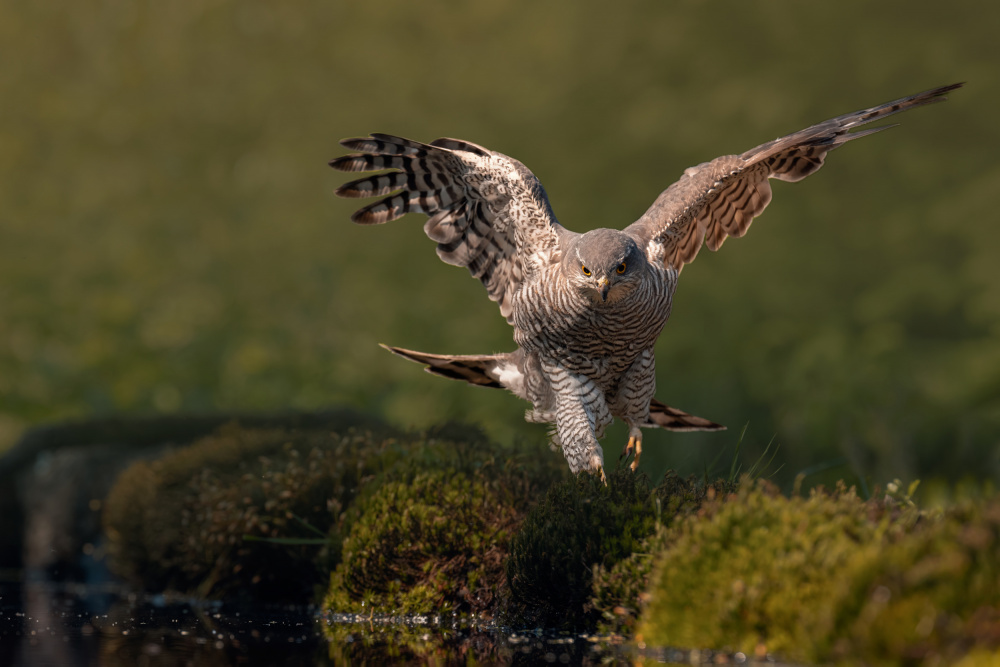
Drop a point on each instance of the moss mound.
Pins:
(178, 523)
(931, 595)
(262, 514)
(432, 544)
(581, 528)
(829, 577)
(431, 536)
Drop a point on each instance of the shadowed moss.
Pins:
(582, 528)
(829, 577)
(262, 514)
(179, 522)
(619, 590)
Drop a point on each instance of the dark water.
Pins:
(66, 625)
(44, 624)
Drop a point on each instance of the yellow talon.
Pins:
(603, 478)
(635, 443)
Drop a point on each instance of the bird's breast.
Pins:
(558, 320)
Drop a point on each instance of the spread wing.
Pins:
(721, 198)
(487, 212)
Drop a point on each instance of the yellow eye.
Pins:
(621, 267)
(585, 270)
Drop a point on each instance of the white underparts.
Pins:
(511, 378)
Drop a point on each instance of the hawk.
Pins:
(586, 309)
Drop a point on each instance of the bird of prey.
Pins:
(586, 308)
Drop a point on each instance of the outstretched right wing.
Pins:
(721, 198)
(487, 212)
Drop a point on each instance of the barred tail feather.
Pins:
(480, 370)
(672, 419)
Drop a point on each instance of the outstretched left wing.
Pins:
(721, 198)
(487, 211)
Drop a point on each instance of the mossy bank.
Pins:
(445, 523)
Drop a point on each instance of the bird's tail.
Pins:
(672, 419)
(486, 370)
(482, 370)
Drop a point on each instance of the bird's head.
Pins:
(605, 264)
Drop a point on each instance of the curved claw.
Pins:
(597, 466)
(627, 451)
(634, 445)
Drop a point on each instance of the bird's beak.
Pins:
(604, 285)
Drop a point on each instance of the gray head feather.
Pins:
(602, 250)
(603, 261)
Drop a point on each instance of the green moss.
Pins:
(431, 534)
(581, 528)
(433, 544)
(829, 577)
(931, 594)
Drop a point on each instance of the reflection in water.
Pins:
(434, 640)
(44, 624)
(427, 640)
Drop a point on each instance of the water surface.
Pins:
(65, 625)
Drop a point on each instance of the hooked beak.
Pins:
(603, 285)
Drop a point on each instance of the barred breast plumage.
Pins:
(552, 318)
(586, 308)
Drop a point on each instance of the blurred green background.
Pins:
(170, 241)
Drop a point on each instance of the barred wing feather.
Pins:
(487, 211)
(721, 198)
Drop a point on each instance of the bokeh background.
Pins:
(170, 241)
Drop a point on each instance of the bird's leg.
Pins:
(634, 445)
(575, 432)
(631, 401)
(581, 413)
